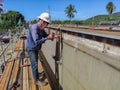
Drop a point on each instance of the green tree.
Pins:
(70, 11)
(10, 19)
(110, 8)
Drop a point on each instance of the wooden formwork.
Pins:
(18, 73)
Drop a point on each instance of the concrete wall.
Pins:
(84, 66)
(86, 69)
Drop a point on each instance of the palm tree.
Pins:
(110, 8)
(70, 10)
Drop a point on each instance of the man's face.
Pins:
(44, 25)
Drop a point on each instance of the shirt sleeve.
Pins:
(36, 38)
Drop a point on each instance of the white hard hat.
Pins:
(45, 17)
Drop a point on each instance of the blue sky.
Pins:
(85, 8)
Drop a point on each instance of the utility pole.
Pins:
(50, 18)
(49, 11)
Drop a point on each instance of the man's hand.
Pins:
(57, 36)
(51, 36)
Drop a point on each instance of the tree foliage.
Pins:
(110, 8)
(10, 19)
(70, 11)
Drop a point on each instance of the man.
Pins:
(36, 37)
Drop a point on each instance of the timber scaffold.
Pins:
(17, 74)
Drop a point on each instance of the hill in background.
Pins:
(93, 20)
(101, 18)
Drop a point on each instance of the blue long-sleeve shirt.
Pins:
(35, 38)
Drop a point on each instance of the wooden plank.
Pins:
(19, 45)
(27, 81)
(2, 79)
(6, 76)
(11, 81)
(24, 78)
(9, 73)
(15, 72)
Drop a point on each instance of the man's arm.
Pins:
(36, 39)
